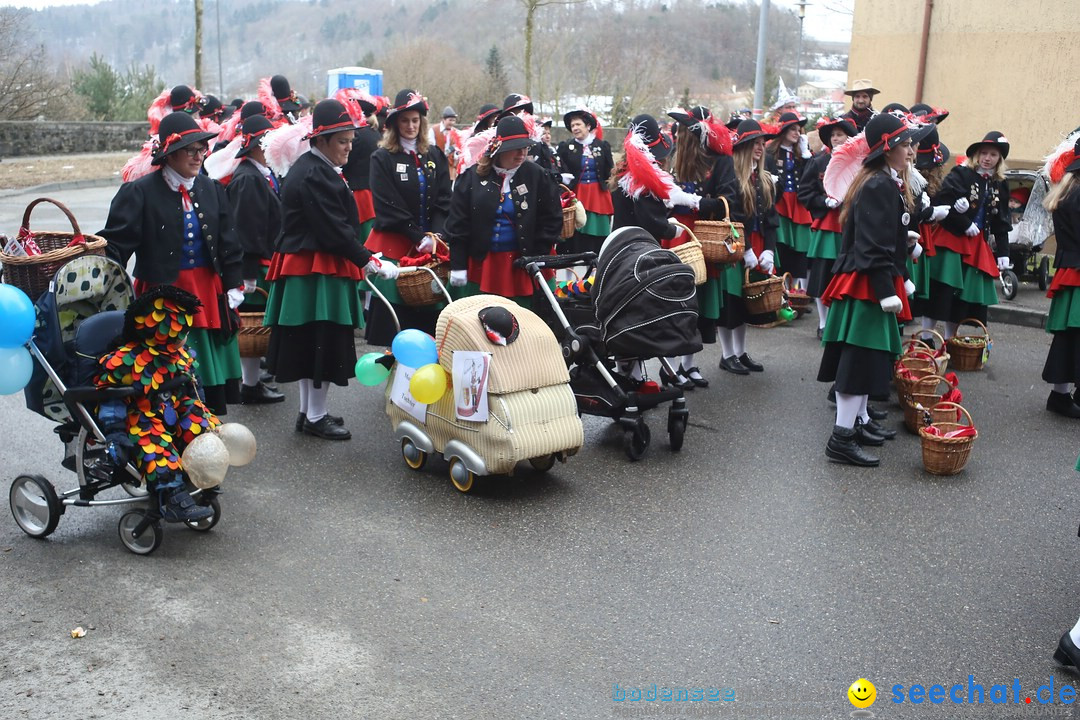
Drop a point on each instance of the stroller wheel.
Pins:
(1009, 284)
(414, 457)
(461, 476)
(636, 442)
(543, 464)
(147, 541)
(34, 505)
(206, 523)
(1044, 273)
(676, 432)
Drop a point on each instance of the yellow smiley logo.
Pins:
(862, 693)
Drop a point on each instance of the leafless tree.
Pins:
(531, 6)
(27, 87)
(198, 42)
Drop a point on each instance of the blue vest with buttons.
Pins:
(788, 181)
(588, 166)
(424, 225)
(194, 249)
(504, 237)
(980, 211)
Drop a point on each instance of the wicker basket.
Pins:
(690, 253)
(253, 338)
(721, 240)
(921, 402)
(918, 363)
(941, 355)
(32, 274)
(764, 296)
(946, 456)
(569, 227)
(798, 299)
(969, 352)
(416, 288)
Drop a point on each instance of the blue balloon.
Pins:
(16, 367)
(16, 317)
(414, 348)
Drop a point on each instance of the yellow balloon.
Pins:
(428, 383)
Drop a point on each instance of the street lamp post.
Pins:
(798, 58)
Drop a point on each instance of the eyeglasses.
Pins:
(196, 152)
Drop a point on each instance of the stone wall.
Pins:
(18, 139)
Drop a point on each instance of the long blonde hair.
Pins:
(999, 169)
(865, 173)
(743, 156)
(1059, 192)
(391, 139)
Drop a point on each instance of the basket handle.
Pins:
(940, 379)
(974, 321)
(948, 404)
(941, 340)
(727, 215)
(25, 227)
(689, 232)
(914, 344)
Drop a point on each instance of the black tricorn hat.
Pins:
(408, 100)
(885, 131)
(177, 130)
(733, 122)
(929, 112)
(516, 101)
(329, 117)
(237, 103)
(510, 134)
(500, 325)
(896, 109)
(788, 119)
(253, 128)
(284, 94)
(649, 129)
(827, 125)
(211, 107)
(252, 108)
(586, 117)
(993, 139)
(932, 152)
(485, 117)
(184, 99)
(748, 130)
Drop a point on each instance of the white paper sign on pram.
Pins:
(471, 374)
(400, 395)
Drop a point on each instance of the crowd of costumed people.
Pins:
(302, 211)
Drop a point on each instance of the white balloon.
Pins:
(239, 441)
(206, 460)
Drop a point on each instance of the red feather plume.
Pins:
(643, 174)
(265, 95)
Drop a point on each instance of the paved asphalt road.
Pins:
(340, 584)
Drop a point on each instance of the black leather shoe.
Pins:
(865, 436)
(831, 397)
(820, 332)
(876, 414)
(732, 365)
(748, 363)
(878, 429)
(1067, 653)
(301, 418)
(265, 377)
(327, 429)
(1062, 404)
(689, 374)
(676, 380)
(843, 448)
(259, 395)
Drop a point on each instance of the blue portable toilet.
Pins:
(364, 79)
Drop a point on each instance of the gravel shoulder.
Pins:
(22, 172)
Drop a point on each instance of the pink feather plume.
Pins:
(223, 163)
(475, 146)
(230, 127)
(350, 98)
(265, 95)
(844, 166)
(158, 110)
(285, 144)
(139, 165)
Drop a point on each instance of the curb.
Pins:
(59, 186)
(1011, 315)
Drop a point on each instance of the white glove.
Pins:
(916, 251)
(912, 237)
(892, 304)
(832, 203)
(249, 286)
(567, 178)
(925, 199)
(939, 213)
(1004, 263)
(804, 147)
(972, 230)
(236, 297)
(385, 270)
(678, 233)
(427, 245)
(767, 261)
(749, 258)
(909, 288)
(961, 205)
(458, 278)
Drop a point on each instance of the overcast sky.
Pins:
(825, 19)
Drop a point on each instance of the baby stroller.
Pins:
(642, 305)
(78, 318)
(510, 400)
(1032, 225)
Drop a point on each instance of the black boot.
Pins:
(865, 436)
(260, 394)
(876, 414)
(1062, 404)
(843, 448)
(878, 429)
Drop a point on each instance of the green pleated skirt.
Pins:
(862, 323)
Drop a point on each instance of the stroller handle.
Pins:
(554, 262)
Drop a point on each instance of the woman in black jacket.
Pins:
(587, 163)
(502, 208)
(410, 185)
(179, 225)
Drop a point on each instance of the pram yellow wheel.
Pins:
(461, 476)
(414, 457)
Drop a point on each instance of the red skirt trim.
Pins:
(364, 204)
(831, 222)
(688, 220)
(496, 275)
(204, 284)
(788, 205)
(856, 285)
(972, 250)
(757, 242)
(311, 262)
(1064, 278)
(392, 245)
(595, 198)
(926, 239)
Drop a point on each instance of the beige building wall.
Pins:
(1008, 65)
